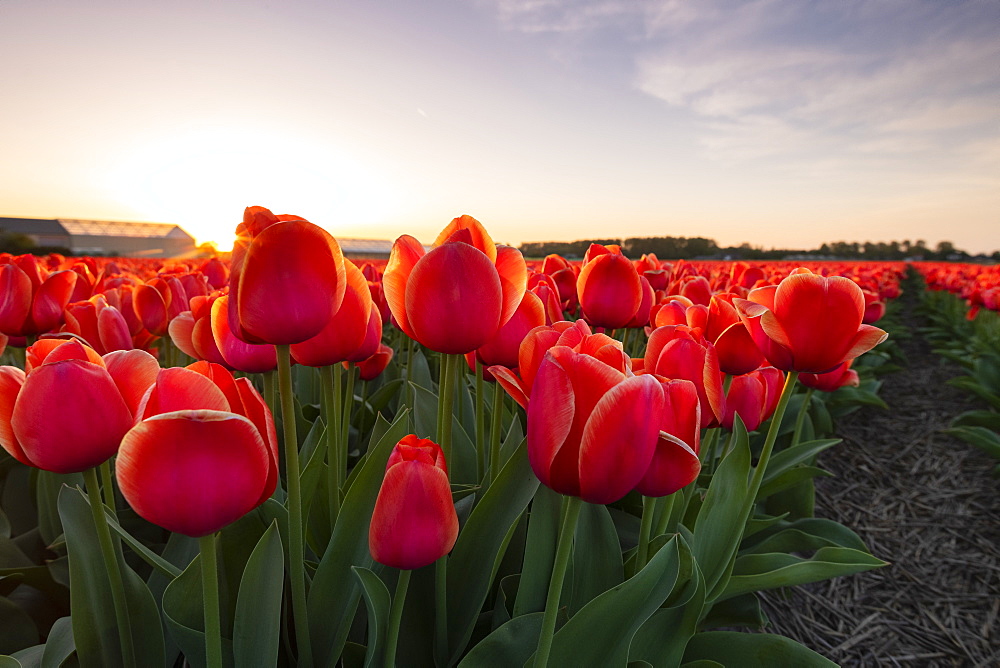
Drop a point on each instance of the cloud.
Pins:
(894, 77)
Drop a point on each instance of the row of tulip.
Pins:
(608, 511)
(973, 343)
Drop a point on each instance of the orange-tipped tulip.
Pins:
(809, 322)
(592, 430)
(608, 288)
(414, 522)
(287, 279)
(456, 297)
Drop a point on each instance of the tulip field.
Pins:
(462, 457)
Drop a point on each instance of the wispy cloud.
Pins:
(770, 77)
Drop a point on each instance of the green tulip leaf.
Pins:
(601, 632)
(378, 601)
(335, 592)
(804, 535)
(17, 629)
(95, 629)
(11, 662)
(752, 650)
(539, 551)
(419, 371)
(510, 645)
(719, 526)
(47, 486)
(59, 644)
(788, 479)
(756, 572)
(739, 611)
(597, 557)
(661, 640)
(480, 548)
(800, 453)
(986, 440)
(257, 622)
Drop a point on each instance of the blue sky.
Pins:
(774, 122)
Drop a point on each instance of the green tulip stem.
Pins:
(666, 510)
(111, 562)
(329, 377)
(270, 391)
(801, 419)
(407, 389)
(765, 453)
(495, 429)
(480, 426)
(645, 528)
(296, 549)
(108, 487)
(345, 425)
(563, 550)
(625, 337)
(210, 591)
(449, 369)
(395, 616)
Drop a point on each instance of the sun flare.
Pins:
(202, 178)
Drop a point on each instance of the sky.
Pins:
(779, 123)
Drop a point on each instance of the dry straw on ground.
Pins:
(927, 503)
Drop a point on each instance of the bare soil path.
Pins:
(927, 503)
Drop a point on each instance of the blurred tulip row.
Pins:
(455, 457)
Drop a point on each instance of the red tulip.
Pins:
(239, 355)
(414, 522)
(195, 471)
(31, 299)
(592, 430)
(675, 462)
(456, 297)
(503, 348)
(68, 413)
(836, 378)
(540, 339)
(345, 332)
(809, 322)
(101, 325)
(676, 351)
(608, 288)
(373, 366)
(287, 279)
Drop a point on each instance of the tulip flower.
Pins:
(592, 430)
(608, 288)
(539, 340)
(503, 348)
(840, 376)
(287, 279)
(31, 299)
(346, 330)
(809, 322)
(676, 351)
(456, 297)
(71, 381)
(414, 522)
(373, 366)
(675, 461)
(101, 325)
(238, 354)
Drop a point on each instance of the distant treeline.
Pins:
(688, 248)
(21, 244)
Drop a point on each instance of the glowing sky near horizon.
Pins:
(779, 123)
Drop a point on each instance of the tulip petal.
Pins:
(193, 472)
(133, 372)
(92, 416)
(292, 281)
(513, 274)
(179, 389)
(551, 411)
(51, 299)
(414, 522)
(478, 237)
(255, 408)
(246, 357)
(15, 299)
(113, 330)
(11, 380)
(619, 439)
(453, 299)
(406, 252)
(510, 383)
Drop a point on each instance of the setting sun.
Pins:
(202, 178)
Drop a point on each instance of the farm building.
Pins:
(104, 237)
